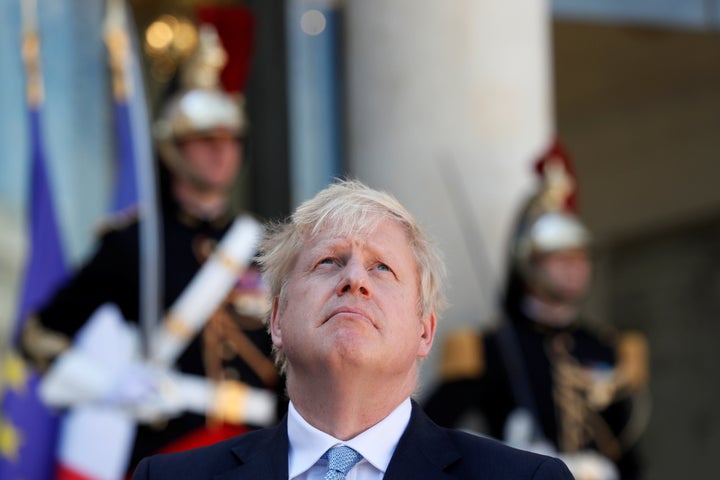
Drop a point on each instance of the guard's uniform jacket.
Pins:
(478, 380)
(112, 275)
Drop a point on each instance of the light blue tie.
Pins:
(340, 460)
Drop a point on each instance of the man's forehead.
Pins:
(339, 224)
(328, 240)
(346, 230)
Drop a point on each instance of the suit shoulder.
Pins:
(196, 463)
(503, 461)
(209, 461)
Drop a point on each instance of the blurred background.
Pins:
(447, 105)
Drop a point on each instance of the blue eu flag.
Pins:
(27, 428)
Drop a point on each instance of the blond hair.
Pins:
(349, 206)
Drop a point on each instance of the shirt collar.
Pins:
(376, 444)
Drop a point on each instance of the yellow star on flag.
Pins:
(14, 372)
(10, 440)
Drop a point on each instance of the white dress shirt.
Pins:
(376, 445)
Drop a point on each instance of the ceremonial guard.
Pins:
(223, 381)
(544, 379)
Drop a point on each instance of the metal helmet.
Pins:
(201, 107)
(548, 222)
(550, 232)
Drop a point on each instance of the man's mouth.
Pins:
(350, 313)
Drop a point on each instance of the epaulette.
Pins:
(41, 345)
(633, 359)
(118, 220)
(463, 356)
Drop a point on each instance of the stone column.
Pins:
(449, 103)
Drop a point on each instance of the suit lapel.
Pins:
(423, 451)
(262, 454)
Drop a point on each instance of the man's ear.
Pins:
(427, 334)
(275, 329)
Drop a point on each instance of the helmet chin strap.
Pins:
(172, 157)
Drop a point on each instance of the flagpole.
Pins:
(132, 109)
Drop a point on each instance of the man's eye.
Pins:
(383, 267)
(326, 261)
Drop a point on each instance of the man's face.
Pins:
(352, 303)
(564, 275)
(212, 160)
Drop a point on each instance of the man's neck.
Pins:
(204, 205)
(345, 408)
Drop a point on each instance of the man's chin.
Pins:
(208, 187)
(570, 298)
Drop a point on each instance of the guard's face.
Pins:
(212, 160)
(351, 304)
(565, 274)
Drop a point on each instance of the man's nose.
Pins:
(354, 279)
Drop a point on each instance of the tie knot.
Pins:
(340, 460)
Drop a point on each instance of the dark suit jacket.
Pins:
(425, 451)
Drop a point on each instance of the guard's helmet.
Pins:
(548, 223)
(550, 232)
(201, 108)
